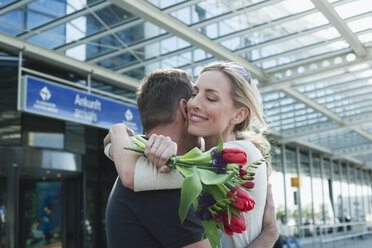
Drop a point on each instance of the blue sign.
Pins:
(49, 99)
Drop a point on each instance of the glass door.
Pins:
(41, 214)
(49, 210)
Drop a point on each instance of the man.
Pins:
(161, 113)
(150, 218)
(285, 234)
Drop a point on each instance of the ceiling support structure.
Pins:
(334, 18)
(152, 14)
(63, 20)
(47, 56)
(319, 71)
(14, 6)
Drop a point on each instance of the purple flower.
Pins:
(218, 162)
(204, 214)
(206, 200)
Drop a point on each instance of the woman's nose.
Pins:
(194, 102)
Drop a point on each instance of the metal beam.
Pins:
(153, 60)
(309, 145)
(152, 14)
(14, 6)
(362, 133)
(64, 19)
(256, 28)
(351, 86)
(354, 150)
(318, 128)
(136, 21)
(334, 18)
(213, 20)
(15, 45)
(184, 50)
(313, 74)
(304, 99)
(224, 16)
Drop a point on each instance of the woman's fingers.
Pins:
(149, 144)
(159, 150)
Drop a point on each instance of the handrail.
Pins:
(324, 233)
(333, 225)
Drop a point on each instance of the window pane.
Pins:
(345, 195)
(306, 195)
(317, 189)
(327, 187)
(292, 193)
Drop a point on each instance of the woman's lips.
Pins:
(197, 118)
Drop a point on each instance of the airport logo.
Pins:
(45, 94)
(128, 115)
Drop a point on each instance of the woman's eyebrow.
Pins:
(207, 90)
(212, 90)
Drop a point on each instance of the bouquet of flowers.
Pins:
(217, 186)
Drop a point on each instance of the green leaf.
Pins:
(220, 225)
(185, 171)
(195, 152)
(190, 190)
(216, 192)
(228, 207)
(209, 177)
(212, 233)
(140, 141)
(235, 211)
(134, 149)
(220, 144)
(196, 156)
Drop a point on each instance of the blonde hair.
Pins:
(245, 94)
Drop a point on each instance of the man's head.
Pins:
(160, 94)
(283, 219)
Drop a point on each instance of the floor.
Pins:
(348, 243)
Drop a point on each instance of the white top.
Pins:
(284, 229)
(146, 177)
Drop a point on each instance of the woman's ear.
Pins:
(240, 115)
(183, 107)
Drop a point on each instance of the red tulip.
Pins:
(248, 185)
(217, 217)
(234, 156)
(237, 225)
(242, 172)
(243, 201)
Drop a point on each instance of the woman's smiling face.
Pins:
(211, 107)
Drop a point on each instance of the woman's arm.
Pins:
(270, 230)
(135, 171)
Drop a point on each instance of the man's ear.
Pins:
(183, 107)
(240, 115)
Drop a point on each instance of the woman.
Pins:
(224, 100)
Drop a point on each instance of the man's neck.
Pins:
(179, 135)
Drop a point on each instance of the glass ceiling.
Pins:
(314, 57)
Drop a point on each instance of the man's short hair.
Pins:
(159, 96)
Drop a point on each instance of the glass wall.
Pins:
(277, 179)
(318, 191)
(327, 193)
(361, 215)
(330, 192)
(291, 192)
(345, 194)
(367, 197)
(337, 192)
(3, 212)
(306, 194)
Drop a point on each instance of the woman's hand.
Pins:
(159, 149)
